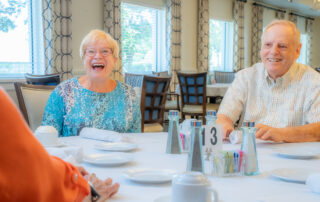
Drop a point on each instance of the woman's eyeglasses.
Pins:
(103, 52)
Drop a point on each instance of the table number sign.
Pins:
(212, 138)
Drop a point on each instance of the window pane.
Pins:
(220, 45)
(14, 38)
(303, 52)
(142, 38)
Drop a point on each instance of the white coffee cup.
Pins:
(192, 187)
(47, 135)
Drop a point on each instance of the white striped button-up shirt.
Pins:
(290, 100)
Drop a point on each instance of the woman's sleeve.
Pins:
(54, 112)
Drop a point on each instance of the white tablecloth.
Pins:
(151, 154)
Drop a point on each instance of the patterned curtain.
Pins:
(309, 28)
(112, 25)
(293, 18)
(257, 22)
(238, 35)
(203, 36)
(57, 32)
(174, 40)
(279, 15)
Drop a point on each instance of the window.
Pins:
(14, 38)
(303, 52)
(220, 45)
(17, 28)
(143, 39)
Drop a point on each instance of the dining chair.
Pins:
(134, 80)
(153, 98)
(32, 100)
(194, 95)
(46, 79)
(224, 77)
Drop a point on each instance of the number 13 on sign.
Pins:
(212, 138)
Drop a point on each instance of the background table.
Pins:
(151, 154)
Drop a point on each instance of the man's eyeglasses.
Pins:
(93, 52)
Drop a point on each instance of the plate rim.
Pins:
(286, 154)
(127, 160)
(130, 147)
(274, 174)
(139, 170)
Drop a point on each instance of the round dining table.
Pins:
(150, 154)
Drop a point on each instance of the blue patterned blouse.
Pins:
(71, 107)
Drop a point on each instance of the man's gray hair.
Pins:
(286, 23)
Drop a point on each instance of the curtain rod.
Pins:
(301, 16)
(276, 9)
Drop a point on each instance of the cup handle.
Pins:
(214, 194)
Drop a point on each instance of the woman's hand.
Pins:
(105, 188)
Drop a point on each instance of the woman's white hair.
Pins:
(286, 23)
(98, 35)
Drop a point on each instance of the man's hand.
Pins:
(227, 125)
(265, 132)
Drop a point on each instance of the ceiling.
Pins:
(303, 7)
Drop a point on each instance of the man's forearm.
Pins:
(306, 133)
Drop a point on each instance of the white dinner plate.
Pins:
(109, 159)
(296, 175)
(298, 152)
(116, 146)
(166, 198)
(150, 175)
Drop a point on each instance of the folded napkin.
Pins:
(235, 137)
(313, 182)
(99, 134)
(71, 154)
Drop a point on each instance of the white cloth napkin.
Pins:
(71, 154)
(313, 182)
(99, 134)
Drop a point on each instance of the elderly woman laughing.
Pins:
(95, 99)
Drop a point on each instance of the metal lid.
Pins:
(211, 113)
(173, 113)
(196, 123)
(248, 124)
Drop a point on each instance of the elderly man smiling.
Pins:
(280, 95)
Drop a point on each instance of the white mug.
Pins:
(47, 135)
(192, 187)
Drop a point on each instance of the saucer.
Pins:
(297, 153)
(295, 175)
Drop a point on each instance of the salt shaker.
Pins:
(211, 117)
(248, 147)
(173, 141)
(195, 156)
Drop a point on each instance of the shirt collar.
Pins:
(284, 78)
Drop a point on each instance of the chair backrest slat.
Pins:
(153, 98)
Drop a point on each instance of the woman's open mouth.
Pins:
(98, 66)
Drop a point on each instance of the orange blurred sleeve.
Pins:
(27, 171)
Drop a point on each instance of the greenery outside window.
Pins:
(143, 39)
(20, 23)
(220, 45)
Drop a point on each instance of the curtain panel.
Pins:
(309, 29)
(257, 23)
(112, 25)
(279, 15)
(203, 36)
(238, 35)
(57, 34)
(174, 40)
(293, 18)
